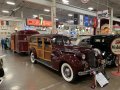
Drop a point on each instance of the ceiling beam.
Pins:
(65, 7)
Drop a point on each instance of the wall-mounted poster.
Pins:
(81, 20)
(86, 21)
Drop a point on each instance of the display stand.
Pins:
(94, 85)
(117, 73)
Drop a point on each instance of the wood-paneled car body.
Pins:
(58, 53)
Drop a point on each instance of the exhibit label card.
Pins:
(101, 79)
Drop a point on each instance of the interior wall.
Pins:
(7, 30)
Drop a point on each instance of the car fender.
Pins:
(72, 60)
(33, 50)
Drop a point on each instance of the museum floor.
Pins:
(20, 74)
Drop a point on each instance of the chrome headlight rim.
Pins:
(97, 51)
(83, 56)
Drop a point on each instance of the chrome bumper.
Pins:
(89, 71)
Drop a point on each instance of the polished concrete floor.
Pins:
(20, 74)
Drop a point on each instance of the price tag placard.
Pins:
(100, 78)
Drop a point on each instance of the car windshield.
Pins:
(68, 41)
(82, 40)
(79, 42)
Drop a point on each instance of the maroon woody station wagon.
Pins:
(59, 53)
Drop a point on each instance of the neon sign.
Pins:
(38, 22)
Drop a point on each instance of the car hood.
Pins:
(74, 49)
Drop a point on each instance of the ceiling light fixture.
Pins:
(46, 10)
(65, 2)
(90, 8)
(10, 3)
(5, 11)
(70, 15)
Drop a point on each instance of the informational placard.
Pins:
(115, 46)
(100, 78)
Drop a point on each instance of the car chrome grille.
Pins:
(91, 59)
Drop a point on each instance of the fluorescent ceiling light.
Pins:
(46, 10)
(65, 1)
(90, 8)
(34, 16)
(5, 11)
(10, 3)
(70, 15)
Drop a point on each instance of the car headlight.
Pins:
(83, 56)
(97, 51)
(103, 53)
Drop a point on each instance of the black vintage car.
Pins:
(1, 66)
(102, 43)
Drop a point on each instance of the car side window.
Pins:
(57, 40)
(47, 42)
(97, 40)
(33, 40)
(39, 42)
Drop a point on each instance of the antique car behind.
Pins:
(19, 40)
(1, 66)
(58, 53)
(102, 43)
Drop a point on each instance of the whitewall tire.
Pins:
(116, 63)
(67, 72)
(32, 58)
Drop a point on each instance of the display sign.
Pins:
(47, 23)
(37, 22)
(101, 79)
(81, 20)
(90, 21)
(103, 14)
(115, 46)
(86, 21)
(95, 22)
(76, 18)
(33, 22)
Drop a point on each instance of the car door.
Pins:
(40, 49)
(47, 48)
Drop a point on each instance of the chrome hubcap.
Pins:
(67, 72)
(32, 57)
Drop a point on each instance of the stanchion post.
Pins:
(94, 85)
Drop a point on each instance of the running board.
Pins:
(46, 63)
